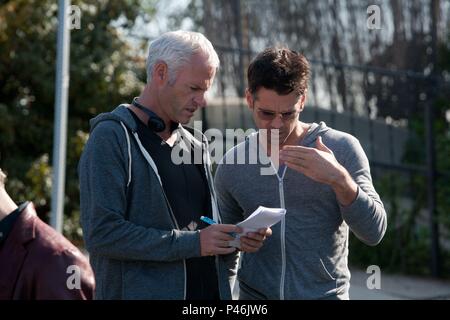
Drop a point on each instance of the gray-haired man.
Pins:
(140, 210)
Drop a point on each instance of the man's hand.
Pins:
(320, 165)
(317, 163)
(214, 239)
(253, 241)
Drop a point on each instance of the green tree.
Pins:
(105, 70)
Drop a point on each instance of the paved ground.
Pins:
(395, 287)
(398, 287)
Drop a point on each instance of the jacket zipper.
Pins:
(214, 208)
(282, 234)
(174, 220)
(178, 227)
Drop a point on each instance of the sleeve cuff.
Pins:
(353, 210)
(189, 244)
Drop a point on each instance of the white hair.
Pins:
(176, 49)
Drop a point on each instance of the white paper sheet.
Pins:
(262, 217)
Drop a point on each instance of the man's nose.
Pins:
(277, 123)
(200, 100)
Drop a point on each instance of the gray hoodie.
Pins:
(136, 248)
(306, 257)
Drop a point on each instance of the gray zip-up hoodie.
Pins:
(136, 248)
(306, 257)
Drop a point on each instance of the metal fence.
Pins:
(381, 107)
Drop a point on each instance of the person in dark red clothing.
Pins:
(37, 262)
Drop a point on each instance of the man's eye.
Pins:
(267, 113)
(287, 114)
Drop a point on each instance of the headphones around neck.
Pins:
(154, 122)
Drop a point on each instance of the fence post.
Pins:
(431, 188)
(431, 155)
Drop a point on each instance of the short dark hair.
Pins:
(279, 69)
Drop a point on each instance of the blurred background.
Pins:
(385, 81)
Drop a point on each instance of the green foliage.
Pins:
(104, 72)
(406, 246)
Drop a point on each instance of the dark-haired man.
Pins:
(322, 179)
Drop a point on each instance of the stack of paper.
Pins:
(261, 218)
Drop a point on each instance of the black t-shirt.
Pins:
(188, 194)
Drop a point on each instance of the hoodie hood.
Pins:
(119, 114)
(316, 130)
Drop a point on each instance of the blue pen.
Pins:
(211, 221)
(207, 220)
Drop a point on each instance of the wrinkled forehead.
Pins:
(199, 71)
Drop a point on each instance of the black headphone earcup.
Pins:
(156, 124)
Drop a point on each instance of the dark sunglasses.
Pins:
(270, 115)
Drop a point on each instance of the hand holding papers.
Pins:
(261, 218)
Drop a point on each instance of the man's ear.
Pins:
(160, 73)
(302, 101)
(249, 98)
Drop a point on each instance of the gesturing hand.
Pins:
(320, 165)
(317, 163)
